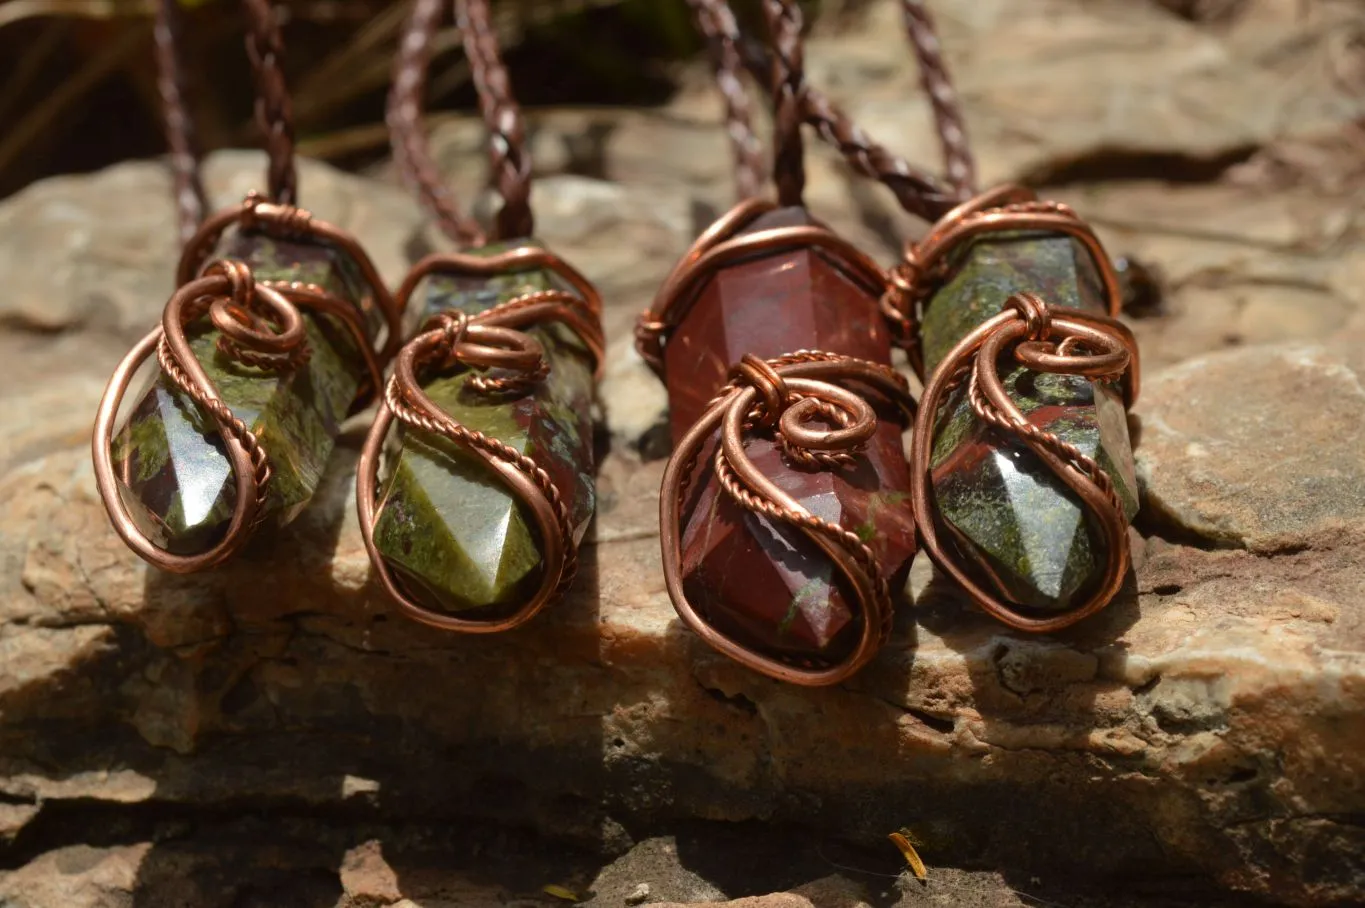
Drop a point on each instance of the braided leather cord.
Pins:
(191, 202)
(274, 109)
(787, 82)
(948, 120)
(507, 131)
(411, 150)
(716, 21)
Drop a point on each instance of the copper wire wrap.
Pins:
(411, 148)
(716, 21)
(191, 202)
(274, 108)
(261, 325)
(507, 150)
(493, 339)
(787, 82)
(1030, 333)
(925, 262)
(785, 396)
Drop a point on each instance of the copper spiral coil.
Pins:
(260, 325)
(1035, 335)
(784, 395)
(492, 339)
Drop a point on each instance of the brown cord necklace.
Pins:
(279, 328)
(782, 510)
(488, 484)
(1022, 469)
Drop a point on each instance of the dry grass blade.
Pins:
(110, 57)
(339, 67)
(902, 841)
(29, 65)
(15, 10)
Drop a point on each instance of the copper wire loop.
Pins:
(492, 339)
(1053, 339)
(261, 326)
(805, 383)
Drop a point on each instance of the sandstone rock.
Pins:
(1261, 447)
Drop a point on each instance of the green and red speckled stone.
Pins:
(1024, 531)
(448, 528)
(764, 584)
(175, 475)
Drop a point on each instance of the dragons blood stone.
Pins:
(446, 525)
(169, 455)
(763, 583)
(1026, 532)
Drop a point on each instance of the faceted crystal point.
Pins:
(760, 582)
(176, 478)
(460, 541)
(1024, 530)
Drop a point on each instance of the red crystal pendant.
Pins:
(763, 584)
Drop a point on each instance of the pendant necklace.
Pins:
(1022, 469)
(279, 328)
(488, 480)
(783, 511)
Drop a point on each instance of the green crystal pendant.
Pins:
(175, 476)
(450, 530)
(1024, 529)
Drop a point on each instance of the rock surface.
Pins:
(241, 737)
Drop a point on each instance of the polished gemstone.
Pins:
(760, 582)
(1025, 532)
(447, 526)
(175, 475)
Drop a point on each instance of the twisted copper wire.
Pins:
(716, 21)
(787, 83)
(411, 148)
(492, 339)
(274, 108)
(507, 150)
(191, 202)
(951, 127)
